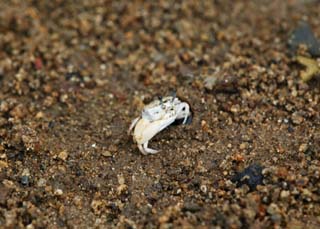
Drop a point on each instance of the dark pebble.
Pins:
(251, 176)
(303, 35)
(25, 180)
(51, 124)
(290, 129)
(74, 76)
(191, 207)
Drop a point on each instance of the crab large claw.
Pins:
(144, 130)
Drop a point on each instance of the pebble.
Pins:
(303, 148)
(41, 182)
(210, 82)
(106, 153)
(284, 194)
(243, 146)
(303, 35)
(77, 200)
(296, 118)
(203, 188)
(63, 155)
(40, 115)
(25, 180)
(58, 192)
(274, 211)
(191, 207)
(306, 193)
(3, 165)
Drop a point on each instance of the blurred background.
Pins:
(74, 74)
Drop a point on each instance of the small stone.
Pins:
(235, 108)
(8, 183)
(10, 218)
(19, 111)
(77, 200)
(106, 153)
(40, 115)
(121, 179)
(205, 127)
(303, 148)
(238, 158)
(64, 98)
(220, 81)
(303, 35)
(186, 73)
(41, 182)
(63, 155)
(121, 188)
(312, 68)
(250, 213)
(30, 226)
(25, 180)
(297, 118)
(58, 192)
(251, 176)
(273, 209)
(113, 148)
(210, 82)
(3, 165)
(284, 194)
(306, 193)
(4, 106)
(243, 146)
(204, 188)
(26, 172)
(97, 205)
(191, 207)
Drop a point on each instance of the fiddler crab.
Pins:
(155, 117)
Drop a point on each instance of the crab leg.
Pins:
(186, 115)
(145, 150)
(133, 124)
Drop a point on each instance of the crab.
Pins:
(155, 117)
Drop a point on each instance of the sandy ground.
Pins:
(73, 74)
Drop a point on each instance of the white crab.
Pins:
(156, 116)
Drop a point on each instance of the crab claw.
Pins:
(146, 130)
(145, 150)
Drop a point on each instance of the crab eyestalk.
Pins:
(173, 95)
